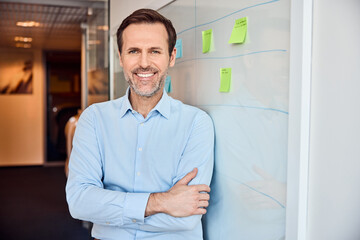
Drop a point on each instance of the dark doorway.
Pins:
(63, 71)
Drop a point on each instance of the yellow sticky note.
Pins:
(239, 31)
(225, 79)
(206, 40)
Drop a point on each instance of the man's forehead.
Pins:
(153, 35)
(156, 27)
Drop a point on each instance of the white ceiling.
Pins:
(59, 22)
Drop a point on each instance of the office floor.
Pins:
(33, 205)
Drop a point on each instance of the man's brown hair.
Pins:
(147, 16)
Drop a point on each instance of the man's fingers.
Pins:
(202, 188)
(188, 177)
(200, 211)
(204, 197)
(203, 203)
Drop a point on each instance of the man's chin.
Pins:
(147, 94)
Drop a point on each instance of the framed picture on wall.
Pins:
(16, 73)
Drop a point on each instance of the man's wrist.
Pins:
(155, 204)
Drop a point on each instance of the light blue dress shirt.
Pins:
(119, 158)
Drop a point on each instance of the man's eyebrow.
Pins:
(138, 49)
(132, 48)
(156, 48)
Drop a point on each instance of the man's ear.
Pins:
(120, 60)
(172, 57)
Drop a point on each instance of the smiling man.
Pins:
(141, 165)
(145, 65)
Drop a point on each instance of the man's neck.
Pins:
(143, 105)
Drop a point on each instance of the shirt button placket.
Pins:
(139, 154)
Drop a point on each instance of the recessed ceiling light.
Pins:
(23, 39)
(94, 42)
(104, 28)
(28, 24)
(90, 12)
(23, 45)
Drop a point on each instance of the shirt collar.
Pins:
(126, 106)
(163, 106)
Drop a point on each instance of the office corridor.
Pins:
(33, 205)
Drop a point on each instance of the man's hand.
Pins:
(181, 200)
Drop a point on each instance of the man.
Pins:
(141, 165)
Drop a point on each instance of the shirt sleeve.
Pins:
(85, 193)
(199, 152)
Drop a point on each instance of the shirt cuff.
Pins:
(135, 205)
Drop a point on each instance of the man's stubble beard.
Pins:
(155, 88)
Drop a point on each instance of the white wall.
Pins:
(22, 121)
(120, 10)
(334, 171)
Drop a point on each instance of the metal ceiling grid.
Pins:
(56, 23)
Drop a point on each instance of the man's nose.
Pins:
(144, 60)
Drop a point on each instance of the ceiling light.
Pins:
(94, 42)
(28, 24)
(23, 45)
(90, 12)
(104, 28)
(23, 39)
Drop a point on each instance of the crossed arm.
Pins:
(179, 208)
(181, 200)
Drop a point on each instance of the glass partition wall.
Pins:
(119, 83)
(95, 55)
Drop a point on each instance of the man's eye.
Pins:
(133, 51)
(155, 52)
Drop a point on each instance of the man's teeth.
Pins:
(145, 75)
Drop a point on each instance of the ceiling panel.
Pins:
(59, 25)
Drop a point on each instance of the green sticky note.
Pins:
(206, 40)
(239, 31)
(225, 79)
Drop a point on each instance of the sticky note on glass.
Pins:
(225, 79)
(206, 40)
(239, 31)
(179, 49)
(168, 87)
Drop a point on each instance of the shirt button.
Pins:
(107, 223)
(140, 149)
(134, 220)
(138, 173)
(141, 124)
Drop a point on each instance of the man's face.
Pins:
(145, 57)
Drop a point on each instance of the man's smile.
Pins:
(145, 75)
